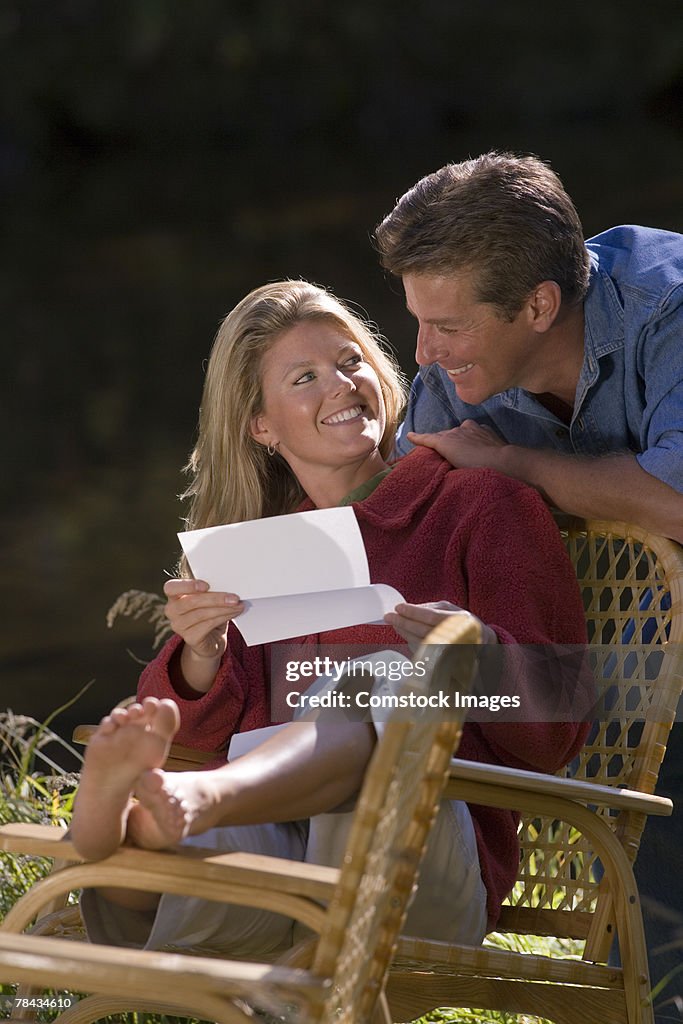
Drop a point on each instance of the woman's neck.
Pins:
(328, 486)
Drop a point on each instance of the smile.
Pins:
(460, 369)
(344, 415)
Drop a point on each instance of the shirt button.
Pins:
(561, 432)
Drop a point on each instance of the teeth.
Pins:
(346, 414)
(460, 369)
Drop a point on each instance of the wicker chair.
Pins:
(357, 911)
(632, 585)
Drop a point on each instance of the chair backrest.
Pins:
(395, 810)
(632, 587)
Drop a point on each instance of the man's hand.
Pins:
(469, 445)
(415, 621)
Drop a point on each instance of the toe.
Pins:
(167, 718)
(120, 716)
(148, 709)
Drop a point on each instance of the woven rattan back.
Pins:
(396, 808)
(632, 587)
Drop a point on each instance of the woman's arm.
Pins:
(238, 698)
(201, 617)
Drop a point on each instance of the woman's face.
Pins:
(322, 402)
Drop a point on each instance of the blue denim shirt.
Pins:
(630, 391)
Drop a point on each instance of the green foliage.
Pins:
(33, 788)
(23, 741)
(447, 1016)
(30, 793)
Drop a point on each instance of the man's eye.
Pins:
(447, 330)
(305, 377)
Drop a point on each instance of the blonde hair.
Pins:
(233, 477)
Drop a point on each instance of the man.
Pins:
(558, 362)
(553, 360)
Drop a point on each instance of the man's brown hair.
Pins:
(506, 218)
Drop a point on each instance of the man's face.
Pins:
(482, 353)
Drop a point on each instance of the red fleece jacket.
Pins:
(469, 536)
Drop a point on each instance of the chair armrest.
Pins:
(38, 841)
(253, 870)
(165, 981)
(526, 782)
(180, 759)
(297, 890)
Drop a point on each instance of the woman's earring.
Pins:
(271, 449)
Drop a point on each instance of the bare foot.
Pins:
(127, 743)
(171, 806)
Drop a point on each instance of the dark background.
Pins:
(160, 159)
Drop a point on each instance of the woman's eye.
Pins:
(304, 378)
(354, 360)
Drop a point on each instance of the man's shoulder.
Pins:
(636, 238)
(649, 260)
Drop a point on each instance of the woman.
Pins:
(299, 411)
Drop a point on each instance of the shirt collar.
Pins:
(603, 334)
(405, 493)
(603, 316)
(365, 490)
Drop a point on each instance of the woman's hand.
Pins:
(201, 617)
(415, 621)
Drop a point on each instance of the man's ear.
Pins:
(543, 305)
(259, 430)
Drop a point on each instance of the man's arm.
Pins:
(602, 487)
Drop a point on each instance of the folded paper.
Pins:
(297, 574)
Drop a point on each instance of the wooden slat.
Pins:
(179, 758)
(201, 983)
(37, 841)
(312, 880)
(491, 962)
(412, 994)
(553, 785)
(563, 924)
